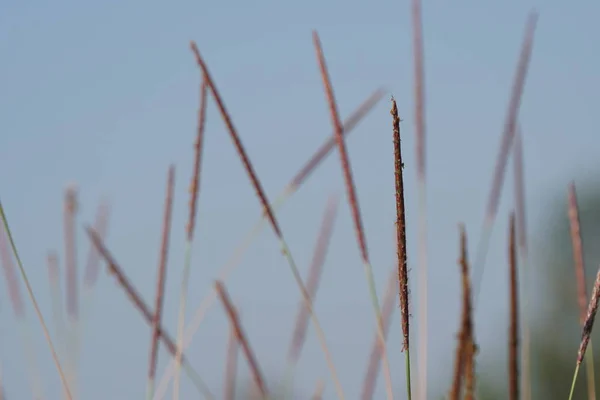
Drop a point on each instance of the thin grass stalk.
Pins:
(521, 222)
(242, 340)
(268, 211)
(133, 295)
(578, 262)
(588, 326)
(420, 149)
(353, 201)
(464, 337)
(513, 332)
(194, 192)
(35, 304)
(92, 266)
(19, 312)
(71, 288)
(226, 269)
(57, 301)
(18, 307)
(160, 282)
(401, 243)
(508, 134)
(387, 310)
(312, 284)
(231, 364)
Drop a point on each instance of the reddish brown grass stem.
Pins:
(198, 146)
(243, 341)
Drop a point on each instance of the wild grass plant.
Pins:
(64, 345)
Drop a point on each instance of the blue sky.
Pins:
(105, 94)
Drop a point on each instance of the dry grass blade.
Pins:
(577, 243)
(513, 333)
(242, 340)
(194, 195)
(161, 279)
(507, 139)
(389, 300)
(353, 200)
(466, 324)
(268, 212)
(401, 242)
(115, 270)
(521, 222)
(231, 365)
(35, 304)
(588, 325)
(226, 269)
(419, 98)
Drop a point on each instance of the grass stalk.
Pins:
(14, 292)
(401, 243)
(588, 326)
(71, 287)
(57, 301)
(513, 332)
(115, 270)
(242, 339)
(231, 364)
(387, 310)
(160, 283)
(521, 223)
(466, 325)
(292, 187)
(578, 262)
(312, 284)
(194, 192)
(420, 149)
(353, 201)
(35, 304)
(508, 134)
(269, 214)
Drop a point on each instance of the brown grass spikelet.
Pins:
(198, 146)
(465, 338)
(400, 227)
(588, 324)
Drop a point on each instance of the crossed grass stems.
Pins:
(463, 380)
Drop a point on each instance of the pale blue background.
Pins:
(105, 94)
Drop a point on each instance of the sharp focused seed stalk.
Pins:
(401, 242)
